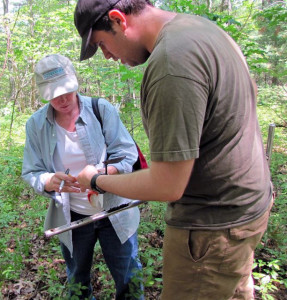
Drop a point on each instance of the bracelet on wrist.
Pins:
(94, 184)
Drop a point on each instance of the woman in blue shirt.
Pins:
(66, 134)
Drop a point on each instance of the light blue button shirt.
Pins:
(40, 147)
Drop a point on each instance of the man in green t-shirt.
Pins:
(198, 107)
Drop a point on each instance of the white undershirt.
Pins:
(70, 153)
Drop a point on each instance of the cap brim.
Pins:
(64, 85)
(87, 50)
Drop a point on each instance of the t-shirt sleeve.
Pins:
(175, 112)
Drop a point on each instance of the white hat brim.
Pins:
(61, 86)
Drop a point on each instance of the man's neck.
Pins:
(154, 20)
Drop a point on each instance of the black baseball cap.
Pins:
(87, 14)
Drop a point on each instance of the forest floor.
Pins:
(31, 285)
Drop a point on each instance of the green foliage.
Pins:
(43, 27)
(151, 233)
(267, 278)
(261, 33)
(47, 27)
(275, 99)
(23, 213)
(270, 270)
(272, 28)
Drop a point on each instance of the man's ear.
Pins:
(118, 17)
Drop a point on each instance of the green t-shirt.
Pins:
(198, 102)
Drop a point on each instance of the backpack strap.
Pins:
(96, 110)
(141, 161)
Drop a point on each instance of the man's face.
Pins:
(120, 46)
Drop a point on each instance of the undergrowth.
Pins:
(31, 266)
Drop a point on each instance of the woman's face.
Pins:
(65, 103)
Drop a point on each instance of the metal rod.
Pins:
(270, 139)
(90, 219)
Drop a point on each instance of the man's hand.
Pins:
(85, 176)
(54, 180)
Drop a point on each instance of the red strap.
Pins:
(142, 159)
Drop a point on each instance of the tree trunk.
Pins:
(266, 3)
(32, 101)
(5, 6)
(209, 5)
(226, 6)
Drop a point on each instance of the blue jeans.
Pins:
(121, 259)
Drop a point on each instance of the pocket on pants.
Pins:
(199, 244)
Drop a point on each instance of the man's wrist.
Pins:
(94, 186)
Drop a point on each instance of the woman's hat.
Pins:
(55, 76)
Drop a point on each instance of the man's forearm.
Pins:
(163, 181)
(137, 186)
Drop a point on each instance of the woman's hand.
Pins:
(111, 170)
(53, 183)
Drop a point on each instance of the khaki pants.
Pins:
(211, 265)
